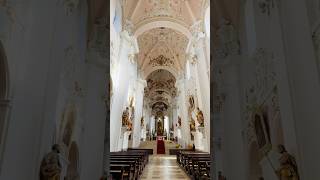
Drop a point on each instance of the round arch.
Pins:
(151, 70)
(207, 21)
(162, 23)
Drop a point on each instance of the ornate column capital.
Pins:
(128, 26)
(197, 30)
(132, 43)
(197, 34)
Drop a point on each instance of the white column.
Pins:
(185, 129)
(94, 125)
(122, 79)
(201, 73)
(139, 91)
(304, 86)
(175, 119)
(232, 124)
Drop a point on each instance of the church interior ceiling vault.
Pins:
(160, 90)
(162, 49)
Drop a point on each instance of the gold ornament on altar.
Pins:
(159, 127)
(288, 169)
(125, 117)
(50, 166)
(200, 117)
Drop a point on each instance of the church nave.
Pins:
(160, 81)
(163, 167)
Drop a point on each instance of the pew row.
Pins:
(128, 165)
(195, 163)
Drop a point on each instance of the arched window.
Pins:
(117, 21)
(207, 22)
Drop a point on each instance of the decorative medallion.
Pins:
(161, 61)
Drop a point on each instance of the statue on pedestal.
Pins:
(142, 121)
(200, 117)
(179, 121)
(288, 169)
(192, 125)
(191, 103)
(125, 117)
(50, 166)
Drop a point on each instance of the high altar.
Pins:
(160, 127)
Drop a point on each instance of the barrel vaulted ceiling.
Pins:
(162, 49)
(160, 90)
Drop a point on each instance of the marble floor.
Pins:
(163, 167)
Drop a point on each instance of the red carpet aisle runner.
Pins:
(160, 147)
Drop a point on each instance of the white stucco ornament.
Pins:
(227, 38)
(265, 6)
(70, 6)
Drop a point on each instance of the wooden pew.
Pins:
(128, 164)
(124, 169)
(195, 163)
(150, 151)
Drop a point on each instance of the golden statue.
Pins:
(125, 117)
(129, 126)
(179, 121)
(288, 169)
(192, 125)
(191, 103)
(200, 117)
(50, 166)
(142, 121)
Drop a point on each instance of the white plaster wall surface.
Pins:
(30, 85)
